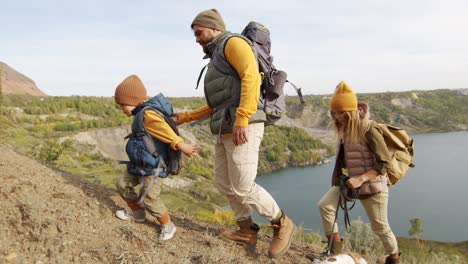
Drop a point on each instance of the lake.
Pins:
(435, 190)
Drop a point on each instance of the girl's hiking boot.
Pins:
(336, 247)
(128, 215)
(167, 231)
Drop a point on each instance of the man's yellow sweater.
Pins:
(239, 55)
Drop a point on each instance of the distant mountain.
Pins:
(13, 82)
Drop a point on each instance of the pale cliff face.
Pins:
(110, 141)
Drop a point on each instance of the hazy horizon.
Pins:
(88, 47)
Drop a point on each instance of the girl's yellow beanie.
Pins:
(344, 99)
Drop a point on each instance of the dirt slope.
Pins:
(53, 217)
(13, 82)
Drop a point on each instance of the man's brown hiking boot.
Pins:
(282, 236)
(246, 235)
(393, 259)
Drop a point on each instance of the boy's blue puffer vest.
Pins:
(142, 162)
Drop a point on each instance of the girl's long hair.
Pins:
(354, 129)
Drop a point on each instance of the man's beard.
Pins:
(207, 52)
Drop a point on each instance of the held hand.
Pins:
(188, 149)
(354, 182)
(175, 117)
(239, 135)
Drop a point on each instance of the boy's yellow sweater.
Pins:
(159, 129)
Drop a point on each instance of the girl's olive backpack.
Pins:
(401, 147)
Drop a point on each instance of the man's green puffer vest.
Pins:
(222, 87)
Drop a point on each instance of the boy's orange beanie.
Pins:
(130, 91)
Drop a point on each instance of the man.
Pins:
(232, 88)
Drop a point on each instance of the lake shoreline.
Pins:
(412, 197)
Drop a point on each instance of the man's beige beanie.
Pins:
(210, 18)
(130, 91)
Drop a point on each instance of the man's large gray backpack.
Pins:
(272, 98)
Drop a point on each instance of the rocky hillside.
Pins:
(13, 82)
(416, 111)
(55, 217)
(109, 141)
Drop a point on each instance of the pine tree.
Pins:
(416, 228)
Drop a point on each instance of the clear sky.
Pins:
(87, 47)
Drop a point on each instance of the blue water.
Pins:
(435, 190)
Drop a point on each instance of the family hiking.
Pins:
(238, 105)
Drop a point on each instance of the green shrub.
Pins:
(50, 151)
(221, 217)
(362, 239)
(69, 127)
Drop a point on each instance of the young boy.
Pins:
(131, 97)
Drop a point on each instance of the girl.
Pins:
(363, 156)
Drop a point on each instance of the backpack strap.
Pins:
(199, 76)
(147, 139)
(223, 107)
(199, 121)
(218, 59)
(370, 123)
(145, 191)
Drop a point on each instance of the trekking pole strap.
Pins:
(344, 205)
(330, 240)
(298, 91)
(346, 210)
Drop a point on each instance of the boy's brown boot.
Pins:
(136, 213)
(168, 228)
(245, 235)
(283, 232)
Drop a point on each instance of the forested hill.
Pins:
(417, 111)
(302, 137)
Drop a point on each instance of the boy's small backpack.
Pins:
(401, 148)
(272, 98)
(148, 156)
